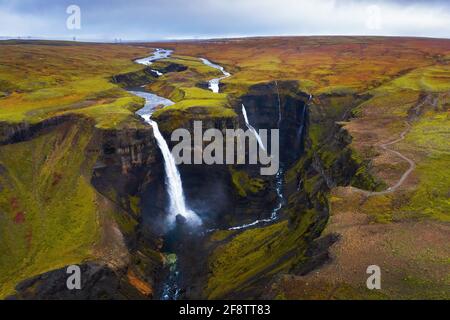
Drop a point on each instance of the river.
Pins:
(214, 84)
(177, 207)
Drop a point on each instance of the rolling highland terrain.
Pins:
(365, 178)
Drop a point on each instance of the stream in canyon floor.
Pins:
(171, 288)
(177, 207)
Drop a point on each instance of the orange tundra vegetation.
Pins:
(321, 64)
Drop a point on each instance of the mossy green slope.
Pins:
(39, 81)
(421, 98)
(254, 255)
(188, 89)
(48, 211)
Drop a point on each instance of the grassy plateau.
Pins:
(51, 215)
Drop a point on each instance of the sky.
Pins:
(198, 19)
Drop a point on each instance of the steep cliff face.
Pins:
(22, 131)
(241, 265)
(135, 79)
(230, 195)
(88, 184)
(236, 194)
(125, 171)
(127, 162)
(279, 105)
(146, 75)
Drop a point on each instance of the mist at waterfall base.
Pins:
(173, 183)
(177, 203)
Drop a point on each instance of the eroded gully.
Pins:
(171, 289)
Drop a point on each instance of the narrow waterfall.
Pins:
(214, 83)
(302, 126)
(173, 182)
(279, 105)
(253, 130)
(278, 178)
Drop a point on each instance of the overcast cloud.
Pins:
(176, 19)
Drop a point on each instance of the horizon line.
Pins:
(176, 39)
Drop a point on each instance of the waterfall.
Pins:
(278, 178)
(173, 181)
(279, 106)
(214, 83)
(300, 129)
(253, 130)
(171, 290)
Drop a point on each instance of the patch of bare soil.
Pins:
(413, 254)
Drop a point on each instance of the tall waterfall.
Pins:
(253, 130)
(279, 105)
(171, 289)
(173, 179)
(302, 126)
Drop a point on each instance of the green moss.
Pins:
(419, 287)
(379, 209)
(48, 207)
(310, 183)
(255, 254)
(186, 111)
(127, 223)
(112, 115)
(194, 65)
(244, 184)
(432, 79)
(429, 136)
(221, 235)
(316, 134)
(134, 204)
(339, 90)
(347, 292)
(363, 179)
(51, 80)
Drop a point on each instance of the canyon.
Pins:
(256, 230)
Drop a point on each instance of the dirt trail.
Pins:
(412, 165)
(417, 110)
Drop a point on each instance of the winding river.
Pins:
(214, 84)
(178, 207)
(171, 289)
(157, 55)
(174, 184)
